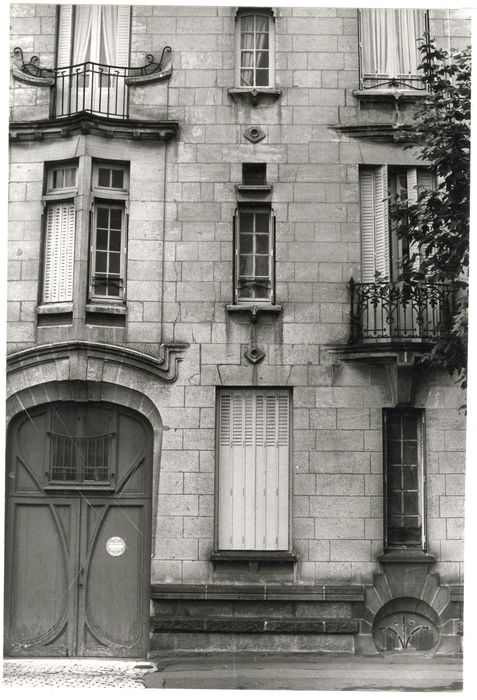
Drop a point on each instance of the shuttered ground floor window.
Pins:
(253, 469)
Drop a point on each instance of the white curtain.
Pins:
(255, 50)
(96, 28)
(82, 37)
(389, 41)
(109, 31)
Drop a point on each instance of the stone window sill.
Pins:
(391, 94)
(254, 309)
(55, 308)
(254, 94)
(243, 555)
(99, 308)
(408, 556)
(254, 188)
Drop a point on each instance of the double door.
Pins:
(78, 533)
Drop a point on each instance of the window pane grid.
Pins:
(254, 279)
(107, 279)
(254, 51)
(404, 520)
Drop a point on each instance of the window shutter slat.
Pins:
(65, 26)
(122, 36)
(425, 180)
(253, 472)
(368, 265)
(59, 253)
(382, 221)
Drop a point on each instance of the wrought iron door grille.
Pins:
(411, 311)
(80, 459)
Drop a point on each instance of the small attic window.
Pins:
(254, 173)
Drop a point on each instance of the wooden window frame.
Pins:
(110, 197)
(251, 12)
(419, 415)
(254, 209)
(255, 553)
(55, 196)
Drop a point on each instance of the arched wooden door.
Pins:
(77, 566)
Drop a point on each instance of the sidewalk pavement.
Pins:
(247, 671)
(307, 672)
(75, 673)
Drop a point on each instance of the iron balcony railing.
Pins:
(91, 87)
(398, 312)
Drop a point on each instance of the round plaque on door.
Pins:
(115, 546)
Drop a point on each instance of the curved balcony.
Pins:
(91, 87)
(396, 313)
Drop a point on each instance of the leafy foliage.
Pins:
(439, 221)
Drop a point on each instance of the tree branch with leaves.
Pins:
(438, 222)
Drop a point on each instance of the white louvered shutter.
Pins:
(253, 470)
(65, 28)
(122, 36)
(59, 253)
(374, 223)
(381, 230)
(368, 264)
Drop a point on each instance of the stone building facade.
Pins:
(183, 232)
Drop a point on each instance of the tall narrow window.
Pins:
(389, 47)
(255, 49)
(253, 456)
(404, 478)
(93, 51)
(60, 221)
(254, 254)
(108, 240)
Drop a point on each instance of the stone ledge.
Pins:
(87, 123)
(214, 591)
(254, 94)
(253, 556)
(255, 625)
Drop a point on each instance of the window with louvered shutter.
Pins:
(379, 244)
(374, 223)
(59, 252)
(253, 449)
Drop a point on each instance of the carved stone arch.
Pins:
(82, 371)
